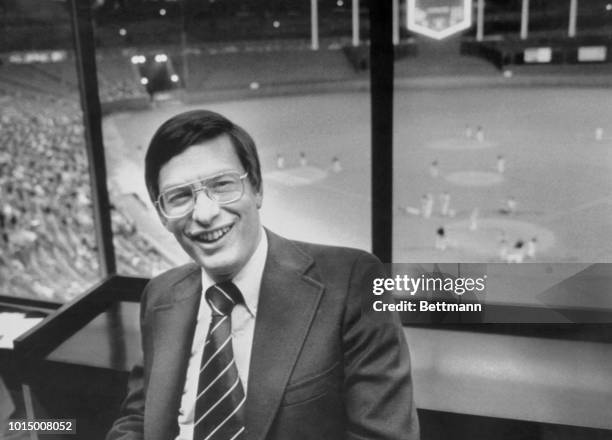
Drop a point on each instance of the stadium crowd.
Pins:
(47, 238)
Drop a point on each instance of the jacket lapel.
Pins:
(287, 304)
(174, 327)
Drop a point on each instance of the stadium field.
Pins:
(557, 168)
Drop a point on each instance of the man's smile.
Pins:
(211, 236)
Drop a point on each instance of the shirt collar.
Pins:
(248, 280)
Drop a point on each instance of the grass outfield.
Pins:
(559, 174)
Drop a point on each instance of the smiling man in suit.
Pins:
(261, 337)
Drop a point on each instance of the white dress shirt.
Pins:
(248, 280)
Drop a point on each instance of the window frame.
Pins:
(381, 94)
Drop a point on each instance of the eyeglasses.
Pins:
(180, 200)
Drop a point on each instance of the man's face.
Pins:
(220, 238)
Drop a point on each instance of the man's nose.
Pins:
(205, 210)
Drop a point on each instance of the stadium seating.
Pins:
(46, 228)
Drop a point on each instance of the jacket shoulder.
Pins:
(336, 254)
(159, 289)
(340, 267)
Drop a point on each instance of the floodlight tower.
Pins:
(355, 21)
(184, 43)
(524, 19)
(314, 24)
(396, 34)
(572, 18)
(480, 20)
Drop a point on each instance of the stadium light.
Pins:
(144, 81)
(174, 78)
(122, 32)
(161, 58)
(162, 12)
(138, 59)
(276, 24)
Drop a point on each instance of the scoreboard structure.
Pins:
(438, 19)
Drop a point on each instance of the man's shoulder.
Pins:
(323, 253)
(333, 253)
(161, 286)
(347, 273)
(177, 273)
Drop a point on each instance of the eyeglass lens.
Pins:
(223, 189)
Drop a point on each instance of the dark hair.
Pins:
(184, 130)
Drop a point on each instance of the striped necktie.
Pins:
(219, 412)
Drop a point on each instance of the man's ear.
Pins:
(259, 198)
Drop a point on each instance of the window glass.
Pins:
(299, 87)
(47, 242)
(502, 138)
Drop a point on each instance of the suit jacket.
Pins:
(322, 367)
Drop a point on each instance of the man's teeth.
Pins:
(214, 235)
